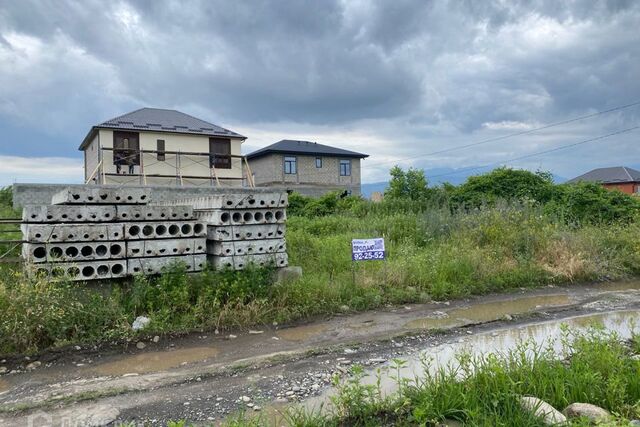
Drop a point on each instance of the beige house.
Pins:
(307, 167)
(153, 146)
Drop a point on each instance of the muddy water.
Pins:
(155, 361)
(541, 334)
(4, 386)
(486, 312)
(301, 333)
(619, 286)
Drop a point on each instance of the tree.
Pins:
(411, 184)
(506, 184)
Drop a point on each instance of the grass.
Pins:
(594, 367)
(432, 254)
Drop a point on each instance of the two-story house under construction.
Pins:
(152, 146)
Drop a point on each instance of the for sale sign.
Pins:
(367, 249)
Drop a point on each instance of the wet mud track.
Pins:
(204, 378)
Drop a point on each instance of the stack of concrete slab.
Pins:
(95, 233)
(243, 229)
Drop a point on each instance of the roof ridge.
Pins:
(627, 172)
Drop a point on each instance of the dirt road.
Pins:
(205, 377)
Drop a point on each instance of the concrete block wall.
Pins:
(243, 229)
(309, 180)
(103, 233)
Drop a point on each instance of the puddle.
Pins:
(362, 325)
(155, 361)
(540, 334)
(486, 312)
(618, 286)
(4, 386)
(301, 333)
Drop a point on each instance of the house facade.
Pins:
(307, 167)
(619, 178)
(152, 146)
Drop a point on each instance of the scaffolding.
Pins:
(117, 166)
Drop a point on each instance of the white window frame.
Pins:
(347, 170)
(290, 161)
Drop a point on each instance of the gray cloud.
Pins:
(402, 77)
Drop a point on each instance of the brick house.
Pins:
(307, 167)
(620, 178)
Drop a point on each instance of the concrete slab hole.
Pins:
(40, 252)
(86, 251)
(174, 229)
(103, 270)
(117, 269)
(237, 217)
(72, 252)
(147, 230)
(186, 228)
(101, 250)
(55, 252)
(87, 271)
(247, 216)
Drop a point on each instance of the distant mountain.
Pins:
(439, 176)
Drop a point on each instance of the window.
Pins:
(220, 153)
(290, 165)
(126, 148)
(160, 150)
(345, 167)
(318, 162)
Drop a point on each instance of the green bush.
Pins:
(504, 184)
(590, 203)
(6, 198)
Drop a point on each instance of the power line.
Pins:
(511, 135)
(562, 147)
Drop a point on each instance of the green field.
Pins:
(501, 231)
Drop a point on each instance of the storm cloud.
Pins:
(393, 79)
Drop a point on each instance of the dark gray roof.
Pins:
(290, 146)
(161, 120)
(618, 174)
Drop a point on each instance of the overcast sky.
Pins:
(394, 79)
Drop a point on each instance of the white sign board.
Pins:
(367, 249)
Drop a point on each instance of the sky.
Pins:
(394, 79)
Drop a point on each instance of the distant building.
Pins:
(162, 147)
(307, 167)
(377, 196)
(620, 178)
